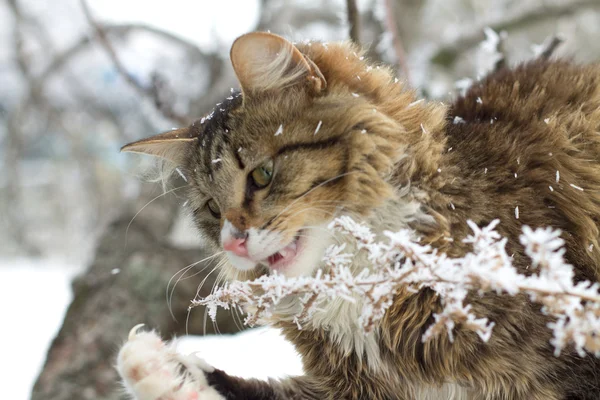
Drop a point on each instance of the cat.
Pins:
(317, 132)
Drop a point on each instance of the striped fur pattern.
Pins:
(346, 138)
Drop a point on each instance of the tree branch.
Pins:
(448, 52)
(391, 27)
(549, 47)
(353, 21)
(152, 92)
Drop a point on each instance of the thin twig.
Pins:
(548, 49)
(152, 91)
(501, 62)
(391, 27)
(448, 52)
(353, 21)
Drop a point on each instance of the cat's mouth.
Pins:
(286, 256)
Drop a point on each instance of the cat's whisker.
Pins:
(337, 239)
(169, 296)
(216, 284)
(146, 205)
(311, 208)
(316, 187)
(220, 276)
(182, 272)
(219, 264)
(236, 318)
(187, 277)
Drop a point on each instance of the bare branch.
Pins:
(549, 47)
(150, 92)
(515, 18)
(353, 21)
(501, 62)
(391, 27)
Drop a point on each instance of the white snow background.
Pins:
(258, 353)
(35, 314)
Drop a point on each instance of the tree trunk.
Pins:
(124, 286)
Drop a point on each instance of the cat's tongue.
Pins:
(284, 255)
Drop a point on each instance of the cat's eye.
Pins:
(214, 209)
(262, 175)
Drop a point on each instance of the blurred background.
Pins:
(88, 245)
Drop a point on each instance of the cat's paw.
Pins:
(153, 370)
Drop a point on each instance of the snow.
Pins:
(209, 24)
(279, 130)
(257, 353)
(33, 322)
(318, 127)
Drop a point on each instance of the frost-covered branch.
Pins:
(400, 263)
(515, 17)
(154, 91)
(546, 49)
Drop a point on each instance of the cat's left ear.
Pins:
(171, 145)
(263, 61)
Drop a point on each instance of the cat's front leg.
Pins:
(153, 370)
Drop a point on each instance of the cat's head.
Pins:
(309, 137)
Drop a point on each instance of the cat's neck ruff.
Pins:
(340, 317)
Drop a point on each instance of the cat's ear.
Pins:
(170, 145)
(264, 61)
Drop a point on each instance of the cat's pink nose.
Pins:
(237, 246)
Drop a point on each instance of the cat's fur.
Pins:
(381, 156)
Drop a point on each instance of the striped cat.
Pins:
(318, 132)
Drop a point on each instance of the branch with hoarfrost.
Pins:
(400, 263)
(494, 45)
(154, 91)
(514, 18)
(547, 49)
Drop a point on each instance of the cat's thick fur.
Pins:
(377, 150)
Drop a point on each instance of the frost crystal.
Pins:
(318, 127)
(400, 265)
(279, 130)
(414, 103)
(181, 174)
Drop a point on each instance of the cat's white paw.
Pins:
(153, 370)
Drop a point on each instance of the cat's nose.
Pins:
(236, 245)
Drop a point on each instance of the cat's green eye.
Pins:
(214, 209)
(262, 175)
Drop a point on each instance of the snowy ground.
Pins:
(34, 318)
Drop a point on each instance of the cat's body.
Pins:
(350, 140)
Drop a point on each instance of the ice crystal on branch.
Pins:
(400, 265)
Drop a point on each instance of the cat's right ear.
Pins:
(170, 145)
(263, 61)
